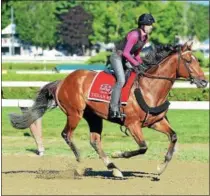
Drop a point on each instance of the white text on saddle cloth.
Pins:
(101, 96)
(105, 89)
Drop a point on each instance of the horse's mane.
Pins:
(158, 53)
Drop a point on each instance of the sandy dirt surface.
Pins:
(56, 175)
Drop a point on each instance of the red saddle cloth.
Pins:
(102, 84)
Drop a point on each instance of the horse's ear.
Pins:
(184, 47)
(189, 44)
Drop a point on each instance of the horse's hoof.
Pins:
(117, 155)
(40, 153)
(161, 167)
(117, 173)
(79, 172)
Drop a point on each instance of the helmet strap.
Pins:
(142, 28)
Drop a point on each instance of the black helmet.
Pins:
(145, 19)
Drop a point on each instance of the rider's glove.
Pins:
(142, 68)
(136, 69)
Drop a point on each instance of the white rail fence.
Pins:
(182, 105)
(204, 105)
(40, 84)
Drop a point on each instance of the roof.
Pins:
(10, 29)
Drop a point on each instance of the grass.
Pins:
(174, 95)
(33, 77)
(191, 126)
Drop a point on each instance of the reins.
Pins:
(190, 78)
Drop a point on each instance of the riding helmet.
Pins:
(145, 19)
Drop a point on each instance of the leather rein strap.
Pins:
(186, 64)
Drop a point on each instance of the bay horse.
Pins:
(71, 93)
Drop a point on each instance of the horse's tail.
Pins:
(44, 100)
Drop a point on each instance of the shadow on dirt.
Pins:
(48, 174)
(127, 174)
(88, 172)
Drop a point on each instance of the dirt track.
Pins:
(30, 175)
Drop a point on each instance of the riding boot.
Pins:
(114, 110)
(116, 114)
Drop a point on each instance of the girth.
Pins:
(151, 110)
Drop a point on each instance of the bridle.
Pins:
(186, 64)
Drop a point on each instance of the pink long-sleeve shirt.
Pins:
(132, 38)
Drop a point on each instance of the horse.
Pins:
(153, 86)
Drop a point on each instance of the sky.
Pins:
(201, 2)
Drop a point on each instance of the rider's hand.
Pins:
(136, 69)
(142, 68)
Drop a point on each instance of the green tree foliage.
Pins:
(169, 23)
(6, 14)
(198, 21)
(111, 21)
(37, 21)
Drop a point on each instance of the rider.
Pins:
(127, 50)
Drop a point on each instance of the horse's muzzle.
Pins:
(200, 83)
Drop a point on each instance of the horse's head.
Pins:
(189, 67)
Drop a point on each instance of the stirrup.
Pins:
(116, 114)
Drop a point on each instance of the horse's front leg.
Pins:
(136, 131)
(96, 125)
(164, 127)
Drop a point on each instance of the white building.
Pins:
(11, 45)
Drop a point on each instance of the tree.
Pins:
(39, 22)
(169, 23)
(6, 14)
(75, 27)
(198, 21)
(111, 21)
(36, 22)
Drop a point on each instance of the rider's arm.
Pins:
(132, 39)
(137, 56)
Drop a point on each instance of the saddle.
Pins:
(108, 70)
(103, 82)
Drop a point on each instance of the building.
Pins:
(12, 45)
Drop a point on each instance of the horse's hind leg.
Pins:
(164, 127)
(36, 130)
(96, 125)
(72, 121)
